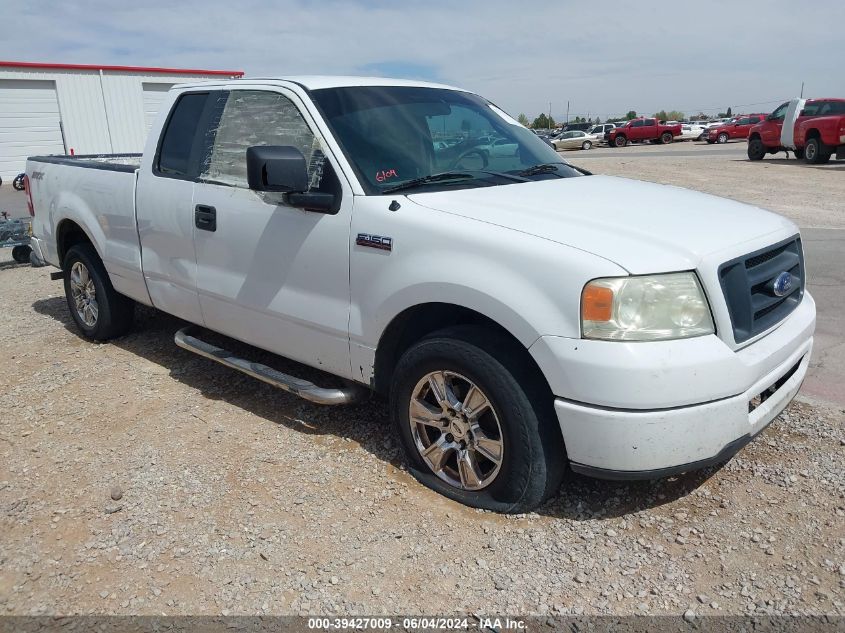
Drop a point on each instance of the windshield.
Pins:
(397, 134)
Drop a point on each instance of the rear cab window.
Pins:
(178, 140)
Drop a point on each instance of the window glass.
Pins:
(178, 138)
(395, 134)
(780, 112)
(649, 122)
(744, 121)
(256, 117)
(638, 123)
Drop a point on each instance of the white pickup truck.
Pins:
(521, 314)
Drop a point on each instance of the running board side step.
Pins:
(297, 386)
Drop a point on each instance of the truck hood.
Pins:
(642, 227)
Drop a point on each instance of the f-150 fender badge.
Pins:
(375, 241)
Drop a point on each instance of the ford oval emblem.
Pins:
(782, 284)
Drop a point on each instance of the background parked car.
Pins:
(573, 139)
(577, 126)
(691, 131)
(736, 129)
(598, 131)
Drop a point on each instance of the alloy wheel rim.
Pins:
(810, 150)
(84, 294)
(456, 430)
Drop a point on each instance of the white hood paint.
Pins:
(643, 227)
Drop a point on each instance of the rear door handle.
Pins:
(205, 217)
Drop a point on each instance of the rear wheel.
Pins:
(21, 253)
(620, 141)
(756, 149)
(816, 152)
(98, 309)
(17, 183)
(586, 145)
(474, 423)
(666, 138)
(722, 138)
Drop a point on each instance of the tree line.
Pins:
(545, 122)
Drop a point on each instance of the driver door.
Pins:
(269, 274)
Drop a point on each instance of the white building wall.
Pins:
(102, 111)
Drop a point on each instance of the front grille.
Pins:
(748, 284)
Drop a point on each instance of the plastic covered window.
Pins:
(255, 117)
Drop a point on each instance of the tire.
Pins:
(620, 141)
(722, 138)
(586, 145)
(756, 149)
(520, 420)
(666, 138)
(20, 253)
(103, 313)
(816, 152)
(17, 183)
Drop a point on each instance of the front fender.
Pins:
(528, 285)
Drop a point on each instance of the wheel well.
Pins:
(754, 137)
(68, 234)
(814, 133)
(419, 321)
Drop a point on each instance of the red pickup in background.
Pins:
(643, 130)
(817, 132)
(736, 128)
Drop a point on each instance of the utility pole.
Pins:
(550, 115)
(567, 111)
(802, 89)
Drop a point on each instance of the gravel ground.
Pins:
(137, 478)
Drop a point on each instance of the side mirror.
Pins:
(282, 169)
(278, 168)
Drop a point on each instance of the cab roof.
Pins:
(317, 82)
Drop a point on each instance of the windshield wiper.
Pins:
(466, 174)
(542, 168)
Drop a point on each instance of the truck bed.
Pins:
(111, 162)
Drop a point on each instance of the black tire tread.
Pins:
(116, 311)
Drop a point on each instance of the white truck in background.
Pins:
(521, 315)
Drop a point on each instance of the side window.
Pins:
(180, 131)
(744, 121)
(256, 117)
(780, 113)
(638, 123)
(650, 122)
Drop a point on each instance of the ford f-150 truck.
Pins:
(813, 129)
(520, 314)
(641, 130)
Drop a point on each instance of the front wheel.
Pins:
(474, 423)
(722, 138)
(586, 145)
(620, 141)
(756, 149)
(98, 309)
(17, 183)
(816, 152)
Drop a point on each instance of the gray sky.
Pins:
(605, 58)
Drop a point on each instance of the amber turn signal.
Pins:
(596, 303)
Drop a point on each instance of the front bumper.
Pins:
(661, 408)
(36, 258)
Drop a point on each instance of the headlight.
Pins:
(647, 308)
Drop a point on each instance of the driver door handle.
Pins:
(205, 217)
